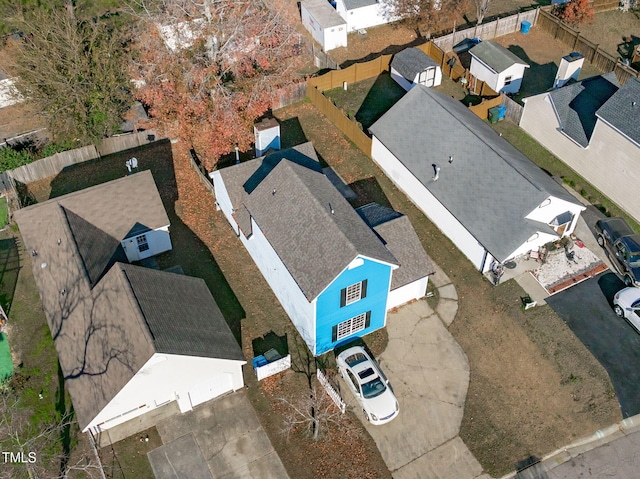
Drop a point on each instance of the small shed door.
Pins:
(428, 76)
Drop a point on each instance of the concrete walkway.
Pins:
(429, 373)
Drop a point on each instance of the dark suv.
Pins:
(623, 246)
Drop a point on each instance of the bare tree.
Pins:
(74, 72)
(313, 412)
(34, 451)
(482, 8)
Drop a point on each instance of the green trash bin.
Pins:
(494, 114)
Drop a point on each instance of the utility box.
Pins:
(570, 67)
(267, 135)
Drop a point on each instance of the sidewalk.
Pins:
(610, 452)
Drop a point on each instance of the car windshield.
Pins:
(373, 388)
(634, 260)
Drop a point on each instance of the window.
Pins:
(351, 326)
(508, 80)
(353, 293)
(143, 245)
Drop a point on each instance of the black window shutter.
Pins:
(343, 297)
(334, 333)
(363, 290)
(367, 321)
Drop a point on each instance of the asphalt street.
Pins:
(587, 310)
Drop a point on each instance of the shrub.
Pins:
(575, 12)
(10, 158)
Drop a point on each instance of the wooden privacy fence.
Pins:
(196, 165)
(52, 165)
(482, 109)
(350, 128)
(355, 73)
(600, 59)
(489, 30)
(514, 109)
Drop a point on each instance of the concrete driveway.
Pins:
(221, 439)
(429, 373)
(587, 310)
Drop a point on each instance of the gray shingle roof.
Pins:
(313, 229)
(181, 314)
(411, 61)
(495, 56)
(622, 111)
(324, 13)
(576, 105)
(401, 239)
(489, 187)
(99, 332)
(352, 4)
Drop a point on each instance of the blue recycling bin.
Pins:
(525, 26)
(502, 111)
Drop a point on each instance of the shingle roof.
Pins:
(324, 13)
(622, 111)
(495, 56)
(313, 229)
(401, 239)
(181, 314)
(576, 105)
(98, 329)
(489, 187)
(411, 61)
(352, 4)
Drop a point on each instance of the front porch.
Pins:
(542, 277)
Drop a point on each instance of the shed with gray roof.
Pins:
(412, 66)
(111, 320)
(495, 65)
(490, 199)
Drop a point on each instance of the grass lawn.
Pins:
(550, 163)
(519, 402)
(366, 101)
(4, 212)
(6, 363)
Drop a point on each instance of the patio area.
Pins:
(559, 270)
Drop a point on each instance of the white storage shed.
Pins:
(323, 22)
(413, 67)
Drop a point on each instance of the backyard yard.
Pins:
(534, 387)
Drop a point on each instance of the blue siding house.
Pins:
(329, 269)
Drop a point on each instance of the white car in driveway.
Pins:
(626, 304)
(368, 384)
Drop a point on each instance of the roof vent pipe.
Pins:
(450, 159)
(436, 170)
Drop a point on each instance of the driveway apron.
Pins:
(429, 373)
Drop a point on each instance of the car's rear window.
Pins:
(355, 359)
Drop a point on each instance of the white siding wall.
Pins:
(223, 201)
(400, 80)
(496, 80)
(158, 241)
(610, 163)
(429, 204)
(164, 378)
(408, 292)
(328, 38)
(532, 244)
(300, 311)
(363, 17)
(553, 207)
(484, 73)
(516, 72)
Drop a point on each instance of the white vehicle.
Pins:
(626, 304)
(368, 384)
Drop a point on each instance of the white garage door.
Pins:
(210, 389)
